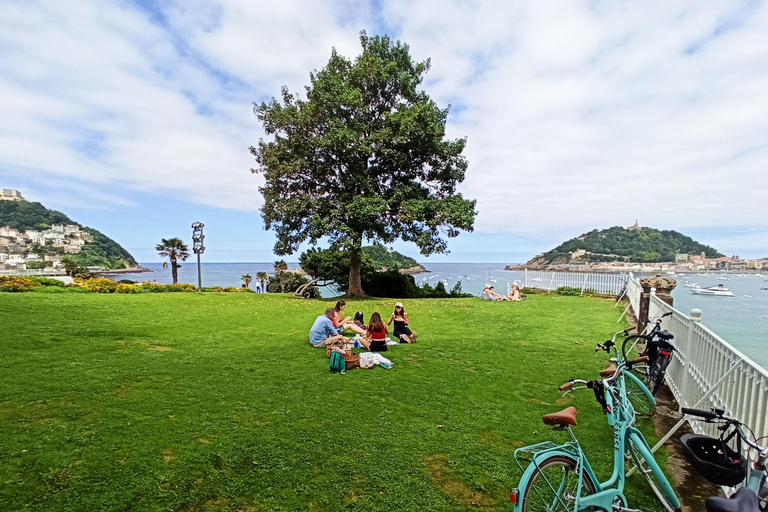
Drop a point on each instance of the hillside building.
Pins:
(8, 194)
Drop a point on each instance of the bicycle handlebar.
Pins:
(709, 415)
(565, 386)
(719, 414)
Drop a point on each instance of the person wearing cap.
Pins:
(401, 330)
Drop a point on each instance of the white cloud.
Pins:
(578, 114)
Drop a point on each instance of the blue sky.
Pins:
(135, 117)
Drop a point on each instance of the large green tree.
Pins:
(364, 156)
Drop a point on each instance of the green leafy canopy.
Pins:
(363, 157)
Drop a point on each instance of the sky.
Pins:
(136, 117)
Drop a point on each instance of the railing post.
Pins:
(685, 386)
(526, 278)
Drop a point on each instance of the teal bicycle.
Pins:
(559, 478)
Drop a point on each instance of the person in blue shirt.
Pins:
(323, 333)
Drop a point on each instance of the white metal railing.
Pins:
(609, 284)
(707, 372)
(33, 272)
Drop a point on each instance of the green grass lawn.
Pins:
(211, 402)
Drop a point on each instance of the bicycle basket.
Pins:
(714, 459)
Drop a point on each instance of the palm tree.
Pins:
(262, 278)
(280, 268)
(174, 249)
(247, 278)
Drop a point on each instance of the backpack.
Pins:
(338, 362)
(359, 317)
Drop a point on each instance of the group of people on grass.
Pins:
(490, 294)
(329, 327)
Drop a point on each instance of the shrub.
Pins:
(126, 288)
(126, 281)
(150, 287)
(98, 285)
(16, 284)
(180, 287)
(47, 281)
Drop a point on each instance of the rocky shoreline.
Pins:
(129, 270)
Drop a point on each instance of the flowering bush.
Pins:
(98, 285)
(126, 288)
(16, 284)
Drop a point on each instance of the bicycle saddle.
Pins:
(562, 418)
(608, 371)
(743, 500)
(665, 335)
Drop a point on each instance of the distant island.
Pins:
(384, 259)
(34, 237)
(634, 248)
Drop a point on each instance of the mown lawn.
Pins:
(214, 402)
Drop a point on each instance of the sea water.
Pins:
(741, 320)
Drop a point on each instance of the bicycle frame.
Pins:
(625, 436)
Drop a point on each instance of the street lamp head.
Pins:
(197, 225)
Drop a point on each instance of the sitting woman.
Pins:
(401, 330)
(489, 294)
(376, 335)
(345, 323)
(515, 293)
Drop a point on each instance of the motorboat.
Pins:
(719, 290)
(692, 285)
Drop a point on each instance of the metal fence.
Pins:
(707, 372)
(609, 284)
(33, 272)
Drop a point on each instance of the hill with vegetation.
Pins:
(642, 245)
(383, 258)
(101, 251)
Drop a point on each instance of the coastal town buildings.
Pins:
(19, 248)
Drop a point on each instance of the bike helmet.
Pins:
(714, 459)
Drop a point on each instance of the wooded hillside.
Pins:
(646, 245)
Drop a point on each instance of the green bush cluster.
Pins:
(227, 289)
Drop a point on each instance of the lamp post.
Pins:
(198, 248)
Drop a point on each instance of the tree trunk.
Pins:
(174, 271)
(355, 281)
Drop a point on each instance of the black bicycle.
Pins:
(716, 460)
(658, 349)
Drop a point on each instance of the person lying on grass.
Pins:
(345, 323)
(401, 330)
(376, 335)
(323, 333)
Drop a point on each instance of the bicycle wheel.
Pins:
(553, 486)
(652, 473)
(638, 398)
(629, 348)
(654, 377)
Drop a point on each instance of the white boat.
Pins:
(722, 278)
(692, 285)
(714, 290)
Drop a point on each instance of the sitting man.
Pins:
(323, 333)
